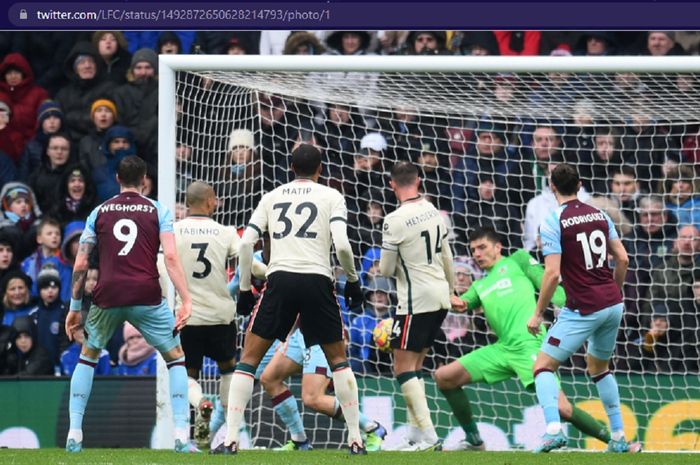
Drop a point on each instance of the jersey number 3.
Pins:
(594, 244)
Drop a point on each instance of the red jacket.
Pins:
(530, 42)
(25, 98)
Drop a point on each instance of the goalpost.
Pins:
(483, 131)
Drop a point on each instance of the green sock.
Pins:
(459, 403)
(589, 425)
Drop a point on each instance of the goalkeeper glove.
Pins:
(246, 302)
(353, 294)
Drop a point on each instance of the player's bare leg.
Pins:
(80, 388)
(241, 389)
(285, 404)
(449, 379)
(346, 391)
(407, 367)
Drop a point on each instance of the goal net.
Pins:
(484, 133)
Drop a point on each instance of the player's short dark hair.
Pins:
(306, 159)
(131, 170)
(485, 232)
(625, 170)
(404, 173)
(565, 179)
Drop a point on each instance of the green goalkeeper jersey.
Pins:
(507, 296)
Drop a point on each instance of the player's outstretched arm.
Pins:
(622, 261)
(550, 280)
(177, 276)
(80, 269)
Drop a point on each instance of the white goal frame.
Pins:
(170, 64)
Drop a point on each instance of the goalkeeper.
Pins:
(507, 295)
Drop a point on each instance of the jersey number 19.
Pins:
(593, 244)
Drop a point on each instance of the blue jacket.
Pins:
(70, 357)
(9, 315)
(145, 368)
(33, 264)
(48, 321)
(688, 213)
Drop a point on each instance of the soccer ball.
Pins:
(382, 334)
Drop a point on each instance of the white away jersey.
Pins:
(205, 247)
(298, 216)
(418, 233)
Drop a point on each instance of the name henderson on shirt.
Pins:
(423, 217)
(588, 218)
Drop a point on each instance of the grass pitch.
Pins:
(327, 457)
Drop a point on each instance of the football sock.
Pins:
(366, 424)
(177, 374)
(459, 403)
(218, 418)
(224, 386)
(80, 388)
(194, 392)
(239, 395)
(610, 397)
(346, 392)
(589, 425)
(286, 407)
(548, 396)
(414, 395)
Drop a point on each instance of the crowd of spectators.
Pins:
(73, 104)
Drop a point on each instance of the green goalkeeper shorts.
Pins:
(494, 363)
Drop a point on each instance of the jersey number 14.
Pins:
(429, 243)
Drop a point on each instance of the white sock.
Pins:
(239, 395)
(414, 395)
(76, 435)
(346, 392)
(617, 435)
(182, 434)
(194, 392)
(553, 427)
(224, 387)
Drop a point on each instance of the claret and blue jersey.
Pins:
(126, 231)
(580, 233)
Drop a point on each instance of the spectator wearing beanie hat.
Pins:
(117, 144)
(662, 43)
(17, 87)
(49, 313)
(85, 70)
(137, 103)
(103, 115)
(49, 120)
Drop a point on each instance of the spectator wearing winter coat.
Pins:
(103, 114)
(50, 314)
(21, 214)
(113, 49)
(596, 43)
(17, 87)
(85, 70)
(118, 143)
(27, 357)
(136, 357)
(71, 238)
(46, 179)
(662, 43)
(137, 103)
(76, 195)
(16, 297)
(48, 237)
(50, 120)
(11, 140)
